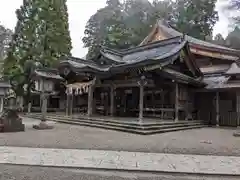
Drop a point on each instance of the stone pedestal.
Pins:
(42, 126)
(236, 134)
(10, 121)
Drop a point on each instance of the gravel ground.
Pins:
(9, 172)
(206, 141)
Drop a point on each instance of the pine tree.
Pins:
(20, 48)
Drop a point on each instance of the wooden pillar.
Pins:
(217, 109)
(1, 104)
(70, 104)
(67, 105)
(29, 107)
(90, 101)
(141, 84)
(176, 102)
(141, 97)
(112, 101)
(238, 108)
(44, 100)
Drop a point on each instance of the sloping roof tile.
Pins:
(234, 69)
(215, 69)
(45, 73)
(215, 82)
(146, 54)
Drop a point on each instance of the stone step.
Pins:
(128, 129)
(135, 126)
(135, 131)
(145, 124)
(139, 126)
(174, 129)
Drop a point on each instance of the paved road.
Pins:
(10, 172)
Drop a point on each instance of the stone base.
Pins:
(42, 126)
(10, 121)
(15, 128)
(236, 134)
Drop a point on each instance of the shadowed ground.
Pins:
(206, 141)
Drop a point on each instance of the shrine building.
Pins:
(169, 76)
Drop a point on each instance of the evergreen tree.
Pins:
(123, 25)
(41, 37)
(53, 31)
(195, 17)
(103, 27)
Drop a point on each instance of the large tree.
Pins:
(103, 27)
(41, 37)
(122, 25)
(195, 17)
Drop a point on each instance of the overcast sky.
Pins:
(79, 13)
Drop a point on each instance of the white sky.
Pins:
(79, 13)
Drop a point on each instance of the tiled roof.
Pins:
(215, 82)
(159, 52)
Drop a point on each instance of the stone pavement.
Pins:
(119, 160)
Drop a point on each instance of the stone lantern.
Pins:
(45, 80)
(45, 87)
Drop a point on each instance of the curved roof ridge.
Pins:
(176, 39)
(173, 32)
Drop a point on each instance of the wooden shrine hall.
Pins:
(153, 80)
(169, 76)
